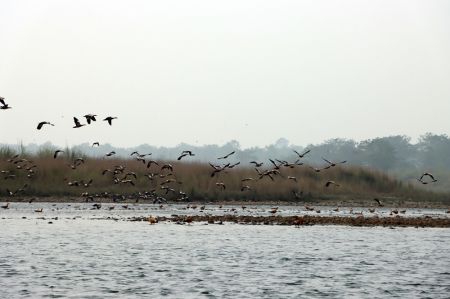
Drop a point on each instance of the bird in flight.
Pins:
(333, 164)
(95, 144)
(4, 106)
(292, 178)
(221, 185)
(427, 174)
(226, 156)
(77, 123)
(42, 123)
(257, 164)
(302, 154)
(110, 154)
(184, 154)
(380, 204)
(55, 155)
(329, 183)
(90, 117)
(109, 119)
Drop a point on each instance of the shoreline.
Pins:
(342, 203)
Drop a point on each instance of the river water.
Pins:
(82, 254)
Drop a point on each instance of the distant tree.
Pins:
(378, 153)
(281, 143)
(434, 151)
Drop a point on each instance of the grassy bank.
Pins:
(51, 177)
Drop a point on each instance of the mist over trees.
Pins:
(396, 155)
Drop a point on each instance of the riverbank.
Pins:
(387, 202)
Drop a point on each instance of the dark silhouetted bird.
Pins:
(109, 119)
(302, 154)
(4, 106)
(226, 156)
(333, 164)
(184, 154)
(167, 166)
(90, 117)
(427, 174)
(77, 123)
(380, 204)
(152, 162)
(257, 164)
(42, 123)
(329, 183)
(55, 155)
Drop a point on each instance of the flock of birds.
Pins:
(120, 175)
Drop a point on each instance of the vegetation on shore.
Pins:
(52, 177)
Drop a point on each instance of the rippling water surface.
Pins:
(79, 256)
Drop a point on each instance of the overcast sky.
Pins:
(207, 71)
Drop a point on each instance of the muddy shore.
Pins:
(346, 202)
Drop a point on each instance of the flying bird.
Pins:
(184, 154)
(315, 169)
(42, 123)
(380, 204)
(77, 123)
(110, 154)
(152, 162)
(221, 185)
(226, 156)
(90, 117)
(427, 174)
(167, 166)
(245, 188)
(247, 179)
(329, 183)
(257, 164)
(292, 178)
(302, 154)
(95, 144)
(109, 119)
(333, 164)
(55, 155)
(4, 106)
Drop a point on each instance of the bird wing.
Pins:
(39, 126)
(306, 152)
(76, 121)
(328, 161)
(230, 154)
(2, 100)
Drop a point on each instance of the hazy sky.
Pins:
(210, 71)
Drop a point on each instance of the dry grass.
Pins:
(52, 176)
